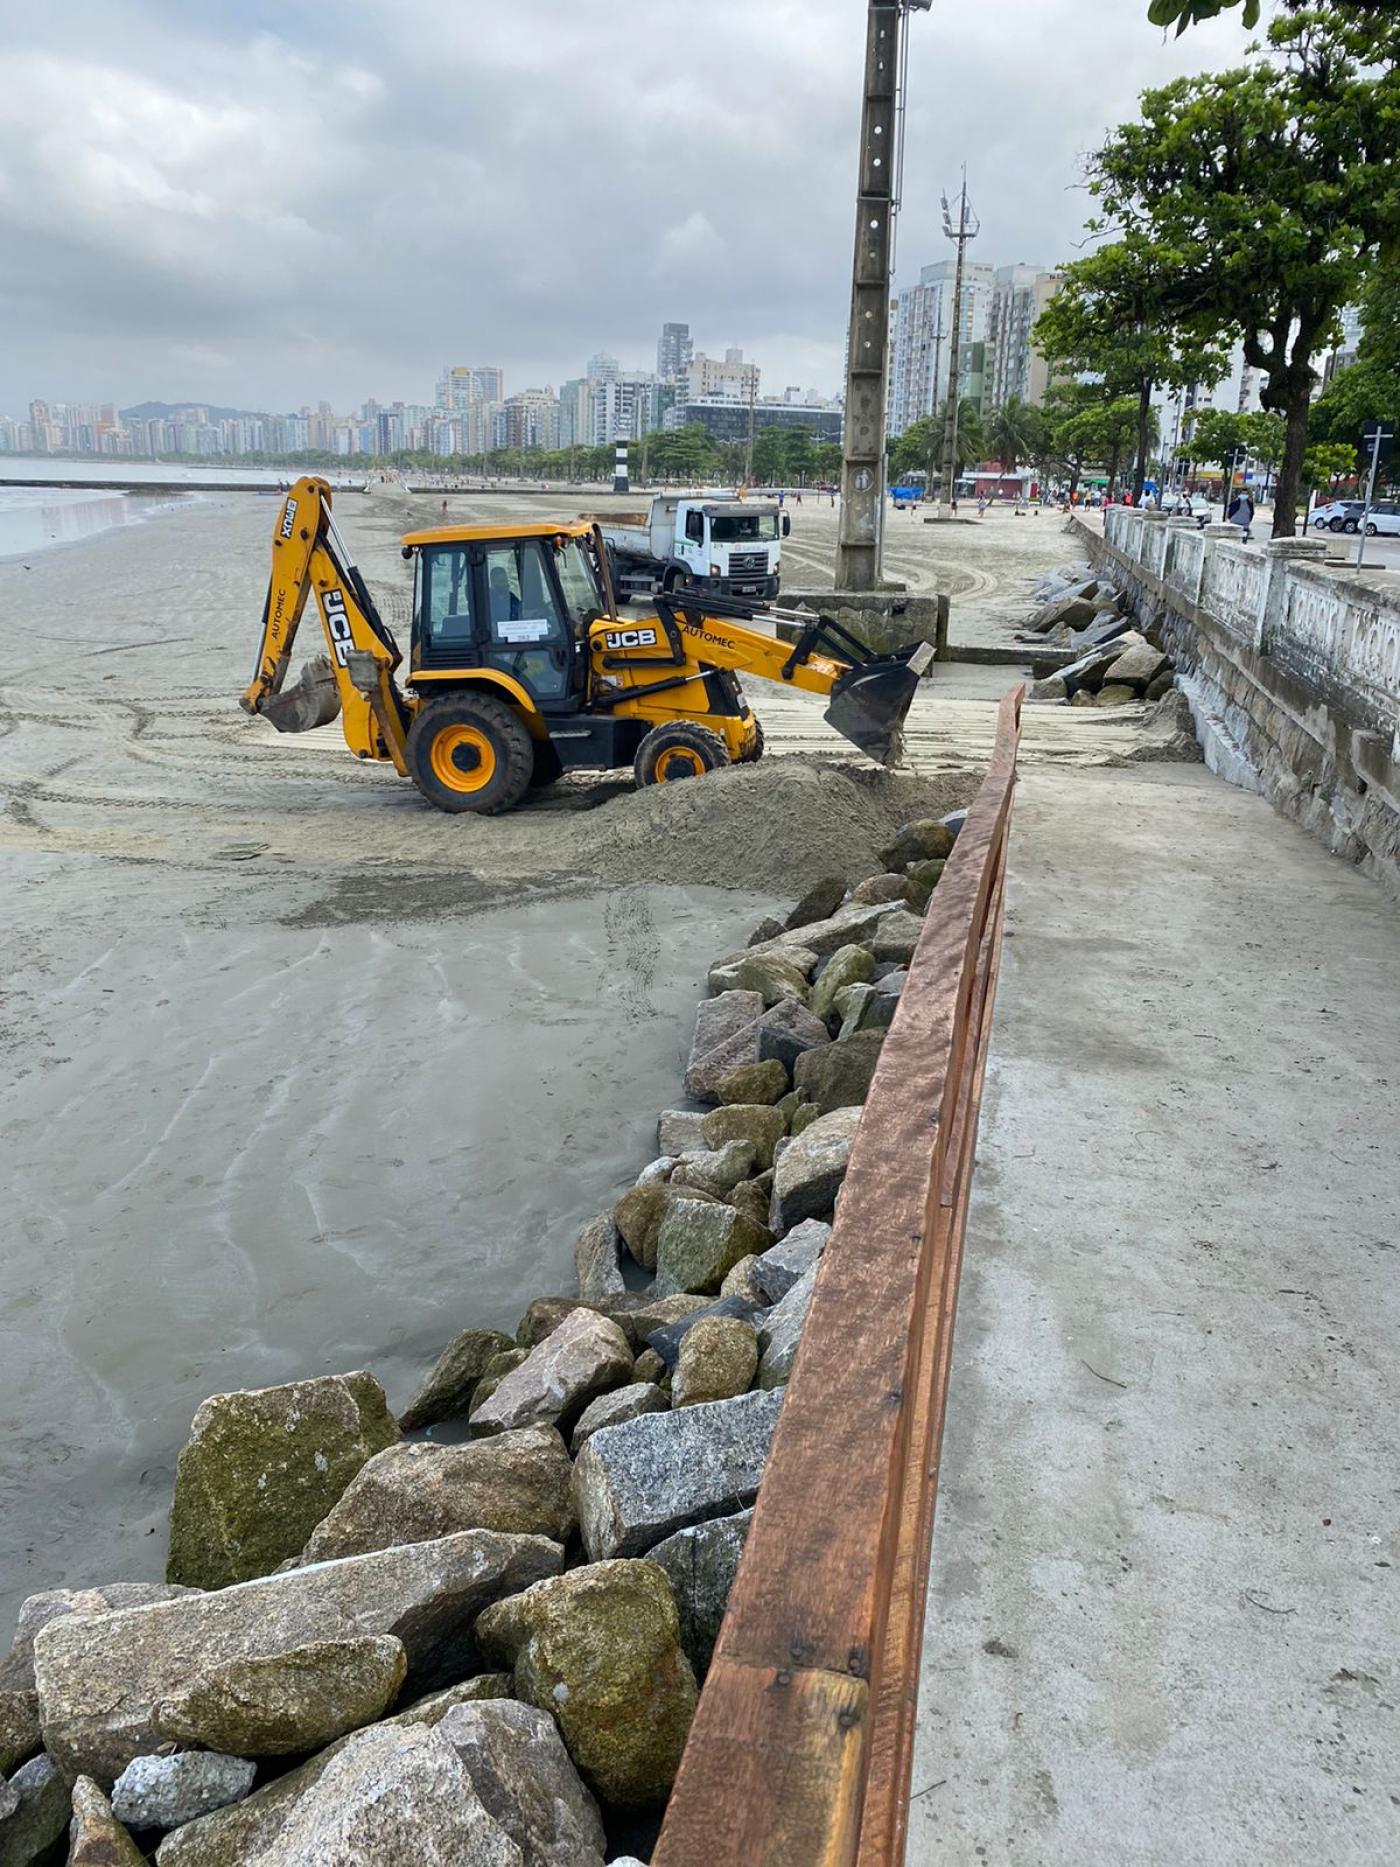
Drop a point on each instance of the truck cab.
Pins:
(710, 543)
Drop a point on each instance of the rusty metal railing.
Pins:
(800, 1752)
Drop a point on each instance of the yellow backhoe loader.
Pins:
(520, 666)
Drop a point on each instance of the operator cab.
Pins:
(520, 604)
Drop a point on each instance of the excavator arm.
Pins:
(355, 678)
(869, 694)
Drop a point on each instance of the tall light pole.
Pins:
(968, 228)
(867, 363)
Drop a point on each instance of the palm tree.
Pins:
(1011, 433)
(972, 441)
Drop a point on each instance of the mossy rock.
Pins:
(263, 1467)
(599, 1649)
(750, 1083)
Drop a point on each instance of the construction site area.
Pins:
(306, 1077)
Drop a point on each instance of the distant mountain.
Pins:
(165, 411)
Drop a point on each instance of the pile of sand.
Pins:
(772, 827)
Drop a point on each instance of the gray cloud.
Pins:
(263, 206)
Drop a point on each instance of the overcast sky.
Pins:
(263, 205)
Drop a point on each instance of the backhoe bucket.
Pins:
(312, 700)
(869, 704)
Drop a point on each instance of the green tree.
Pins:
(1088, 427)
(1184, 13)
(1014, 433)
(1269, 190)
(1119, 314)
(1327, 462)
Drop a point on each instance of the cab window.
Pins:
(695, 527)
(445, 607)
(578, 583)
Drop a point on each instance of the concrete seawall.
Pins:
(1292, 672)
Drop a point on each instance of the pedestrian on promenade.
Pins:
(1241, 513)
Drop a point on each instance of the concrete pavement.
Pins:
(1162, 1620)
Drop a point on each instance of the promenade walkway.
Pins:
(1163, 1612)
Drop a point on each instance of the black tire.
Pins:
(678, 750)
(1334, 525)
(470, 752)
(1371, 529)
(1350, 525)
(757, 752)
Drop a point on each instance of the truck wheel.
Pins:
(470, 752)
(676, 751)
(757, 753)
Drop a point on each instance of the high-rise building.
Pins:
(489, 384)
(918, 381)
(532, 419)
(673, 352)
(602, 368)
(1016, 368)
(733, 380)
(576, 412)
(623, 407)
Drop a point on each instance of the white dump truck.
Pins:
(698, 541)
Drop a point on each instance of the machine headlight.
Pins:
(716, 570)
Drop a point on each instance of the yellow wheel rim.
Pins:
(678, 762)
(463, 758)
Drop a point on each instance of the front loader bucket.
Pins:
(312, 700)
(870, 703)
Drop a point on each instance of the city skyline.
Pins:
(471, 413)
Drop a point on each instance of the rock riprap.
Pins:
(726, 1035)
(104, 1681)
(634, 1484)
(261, 1469)
(599, 1648)
(522, 1772)
(840, 1075)
(784, 1264)
(585, 1356)
(597, 1259)
(698, 1246)
(717, 1359)
(701, 1564)
(40, 1812)
(810, 1169)
(781, 1331)
(166, 1792)
(448, 1389)
(516, 1482)
(623, 1403)
(20, 1736)
(285, 1704)
(97, 1838)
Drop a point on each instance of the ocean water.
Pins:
(33, 518)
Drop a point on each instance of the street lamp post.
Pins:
(968, 228)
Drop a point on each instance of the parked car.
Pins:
(1339, 515)
(1385, 519)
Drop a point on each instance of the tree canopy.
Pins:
(1268, 191)
(1121, 314)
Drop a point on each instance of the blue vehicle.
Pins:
(906, 495)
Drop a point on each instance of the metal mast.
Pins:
(863, 463)
(968, 228)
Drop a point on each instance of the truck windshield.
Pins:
(727, 528)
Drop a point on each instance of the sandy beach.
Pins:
(304, 1075)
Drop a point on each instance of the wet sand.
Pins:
(304, 1075)
(298, 1078)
